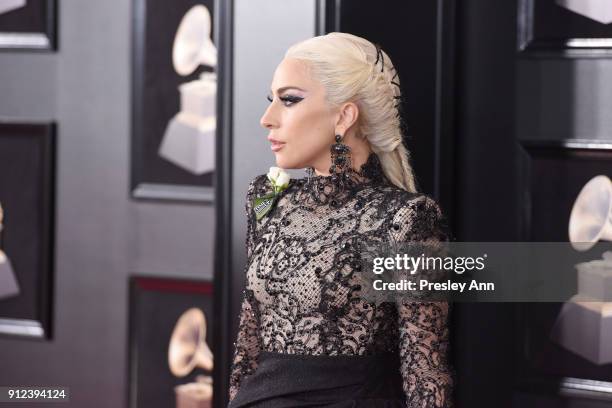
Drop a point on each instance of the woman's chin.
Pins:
(281, 160)
(284, 161)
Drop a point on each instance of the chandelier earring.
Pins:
(341, 161)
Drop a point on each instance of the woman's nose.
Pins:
(268, 120)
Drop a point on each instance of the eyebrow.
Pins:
(284, 88)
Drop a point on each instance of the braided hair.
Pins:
(351, 68)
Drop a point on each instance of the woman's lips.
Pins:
(276, 146)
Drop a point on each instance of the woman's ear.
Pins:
(348, 114)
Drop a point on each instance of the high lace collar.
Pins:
(337, 189)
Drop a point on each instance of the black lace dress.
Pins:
(306, 338)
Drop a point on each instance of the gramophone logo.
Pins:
(186, 352)
(189, 139)
(584, 324)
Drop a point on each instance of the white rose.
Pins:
(283, 179)
(273, 173)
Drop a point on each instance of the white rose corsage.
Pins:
(280, 181)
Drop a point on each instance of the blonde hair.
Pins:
(347, 67)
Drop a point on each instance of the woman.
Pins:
(306, 338)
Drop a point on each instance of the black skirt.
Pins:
(289, 381)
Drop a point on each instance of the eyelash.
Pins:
(289, 98)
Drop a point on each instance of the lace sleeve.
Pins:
(247, 347)
(247, 344)
(428, 377)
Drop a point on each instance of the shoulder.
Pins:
(423, 204)
(401, 201)
(417, 214)
(416, 205)
(257, 185)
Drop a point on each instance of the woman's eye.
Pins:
(290, 100)
(287, 100)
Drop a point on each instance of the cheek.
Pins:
(309, 128)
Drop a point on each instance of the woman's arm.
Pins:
(428, 377)
(247, 344)
(247, 347)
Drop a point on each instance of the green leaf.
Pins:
(262, 205)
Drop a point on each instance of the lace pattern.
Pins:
(302, 295)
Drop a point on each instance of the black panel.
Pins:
(555, 172)
(156, 99)
(226, 272)
(484, 334)
(155, 307)
(27, 187)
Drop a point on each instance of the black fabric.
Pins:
(303, 290)
(288, 380)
